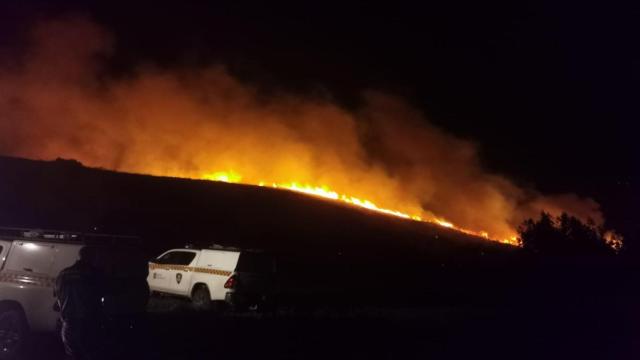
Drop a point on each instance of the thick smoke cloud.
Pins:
(56, 102)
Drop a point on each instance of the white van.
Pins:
(215, 275)
(30, 261)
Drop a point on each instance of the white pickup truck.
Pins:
(243, 279)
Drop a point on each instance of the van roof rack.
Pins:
(9, 233)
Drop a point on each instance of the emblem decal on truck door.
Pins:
(178, 277)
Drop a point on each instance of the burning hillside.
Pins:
(58, 100)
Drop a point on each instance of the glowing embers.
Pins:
(326, 192)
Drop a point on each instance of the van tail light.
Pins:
(231, 282)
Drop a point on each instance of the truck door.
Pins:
(4, 249)
(157, 278)
(171, 272)
(179, 273)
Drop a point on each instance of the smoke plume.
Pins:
(56, 101)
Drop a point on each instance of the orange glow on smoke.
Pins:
(381, 154)
(327, 193)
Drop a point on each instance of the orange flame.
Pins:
(327, 193)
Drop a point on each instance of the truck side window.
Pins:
(176, 258)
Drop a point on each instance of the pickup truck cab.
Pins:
(242, 279)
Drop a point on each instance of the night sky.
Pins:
(546, 90)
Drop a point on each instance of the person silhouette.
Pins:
(79, 291)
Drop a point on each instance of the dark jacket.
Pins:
(79, 289)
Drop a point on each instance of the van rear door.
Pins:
(31, 257)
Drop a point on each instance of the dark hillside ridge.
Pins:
(63, 194)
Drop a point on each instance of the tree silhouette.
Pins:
(563, 235)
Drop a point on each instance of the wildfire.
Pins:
(381, 154)
(327, 193)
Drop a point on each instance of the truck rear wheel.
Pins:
(13, 332)
(201, 298)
